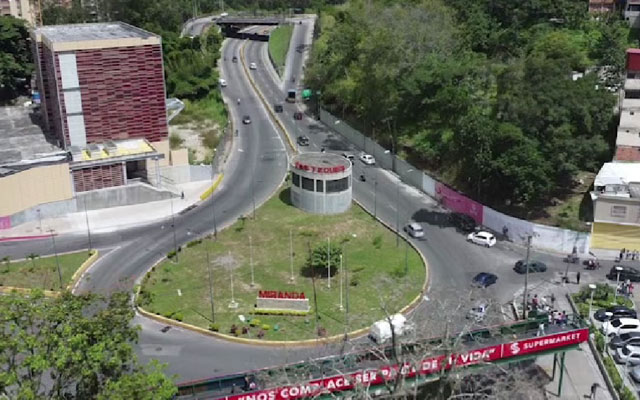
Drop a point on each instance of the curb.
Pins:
(12, 290)
(83, 268)
(24, 238)
(212, 188)
(265, 103)
(287, 343)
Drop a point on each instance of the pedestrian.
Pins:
(628, 255)
(553, 300)
(182, 195)
(541, 329)
(534, 302)
(578, 278)
(594, 388)
(564, 318)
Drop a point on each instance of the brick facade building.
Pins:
(101, 83)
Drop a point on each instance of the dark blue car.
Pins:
(484, 279)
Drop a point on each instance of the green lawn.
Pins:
(279, 44)
(210, 108)
(376, 272)
(41, 273)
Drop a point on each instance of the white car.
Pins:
(414, 230)
(620, 326)
(482, 238)
(627, 355)
(367, 159)
(222, 82)
(253, 66)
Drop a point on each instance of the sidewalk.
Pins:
(581, 369)
(111, 219)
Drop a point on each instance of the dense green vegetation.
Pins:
(16, 62)
(79, 345)
(480, 93)
(40, 273)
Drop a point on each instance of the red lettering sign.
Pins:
(430, 365)
(543, 343)
(273, 294)
(320, 170)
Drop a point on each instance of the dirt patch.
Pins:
(192, 136)
(227, 262)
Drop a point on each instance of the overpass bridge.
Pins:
(372, 369)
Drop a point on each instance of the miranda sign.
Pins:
(273, 294)
(320, 170)
(274, 300)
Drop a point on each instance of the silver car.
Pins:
(627, 355)
(414, 230)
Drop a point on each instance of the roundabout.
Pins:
(287, 275)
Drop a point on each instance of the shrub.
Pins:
(377, 241)
(626, 394)
(245, 330)
(254, 322)
(175, 141)
(264, 311)
(266, 327)
(583, 310)
(214, 327)
(178, 316)
(168, 314)
(171, 254)
(233, 330)
(260, 334)
(354, 281)
(194, 243)
(610, 366)
(322, 332)
(600, 342)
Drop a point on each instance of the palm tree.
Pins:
(33, 257)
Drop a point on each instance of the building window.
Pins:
(295, 178)
(619, 211)
(339, 185)
(319, 186)
(307, 184)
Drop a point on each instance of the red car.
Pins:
(297, 115)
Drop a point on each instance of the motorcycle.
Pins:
(571, 258)
(363, 178)
(593, 264)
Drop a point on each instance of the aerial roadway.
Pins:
(262, 148)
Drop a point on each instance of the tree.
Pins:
(16, 62)
(318, 260)
(79, 345)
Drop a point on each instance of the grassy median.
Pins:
(40, 273)
(380, 275)
(279, 45)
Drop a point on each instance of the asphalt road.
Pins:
(259, 160)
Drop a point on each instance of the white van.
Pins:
(381, 330)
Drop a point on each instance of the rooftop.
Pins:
(628, 137)
(96, 31)
(629, 119)
(327, 162)
(21, 137)
(618, 173)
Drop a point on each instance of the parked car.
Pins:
(484, 279)
(462, 222)
(614, 312)
(620, 326)
(482, 238)
(222, 82)
(278, 108)
(253, 66)
(297, 116)
(367, 159)
(629, 338)
(635, 373)
(414, 230)
(246, 120)
(627, 355)
(303, 141)
(534, 266)
(629, 273)
(478, 312)
(234, 59)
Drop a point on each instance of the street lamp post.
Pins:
(526, 280)
(173, 226)
(375, 198)
(55, 251)
(253, 191)
(86, 217)
(213, 316)
(329, 263)
(251, 261)
(615, 292)
(593, 289)
(291, 278)
(341, 281)
(398, 208)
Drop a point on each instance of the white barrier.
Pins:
(517, 230)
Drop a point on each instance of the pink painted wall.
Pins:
(5, 222)
(458, 202)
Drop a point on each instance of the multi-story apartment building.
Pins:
(19, 9)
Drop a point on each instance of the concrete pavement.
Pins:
(112, 219)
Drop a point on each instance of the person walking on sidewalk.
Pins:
(578, 278)
(594, 388)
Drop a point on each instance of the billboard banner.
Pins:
(458, 202)
(5, 222)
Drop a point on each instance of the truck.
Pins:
(291, 96)
(381, 330)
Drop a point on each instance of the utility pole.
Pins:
(313, 283)
(526, 280)
(253, 191)
(213, 316)
(398, 214)
(173, 225)
(86, 217)
(55, 251)
(215, 225)
(329, 262)
(346, 305)
(291, 278)
(251, 261)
